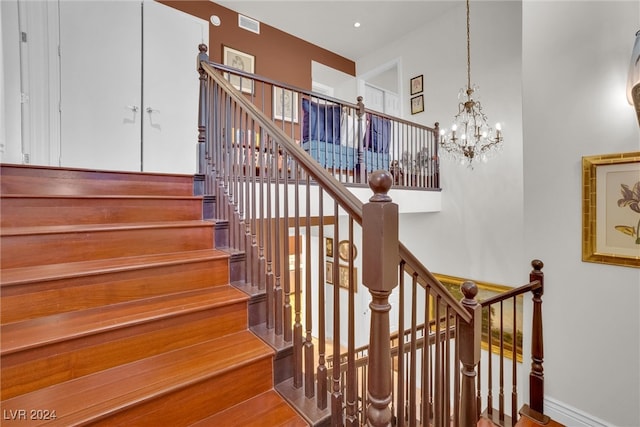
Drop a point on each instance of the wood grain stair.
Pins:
(116, 308)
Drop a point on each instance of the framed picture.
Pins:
(243, 62)
(416, 85)
(285, 105)
(417, 104)
(344, 277)
(488, 290)
(328, 272)
(328, 247)
(611, 209)
(344, 253)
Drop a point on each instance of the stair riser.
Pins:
(44, 298)
(40, 367)
(37, 211)
(187, 405)
(43, 180)
(52, 248)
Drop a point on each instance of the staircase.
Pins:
(116, 307)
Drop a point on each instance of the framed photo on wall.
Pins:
(328, 247)
(611, 209)
(417, 104)
(345, 282)
(416, 85)
(328, 272)
(285, 105)
(243, 62)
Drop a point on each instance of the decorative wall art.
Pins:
(344, 278)
(243, 62)
(328, 247)
(285, 105)
(328, 272)
(344, 253)
(417, 104)
(611, 209)
(416, 85)
(485, 291)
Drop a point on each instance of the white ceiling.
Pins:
(329, 23)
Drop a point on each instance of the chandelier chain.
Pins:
(468, 49)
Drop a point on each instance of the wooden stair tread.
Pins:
(97, 395)
(23, 275)
(34, 179)
(266, 409)
(99, 196)
(41, 331)
(82, 228)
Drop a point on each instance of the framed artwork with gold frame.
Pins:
(344, 253)
(487, 290)
(328, 247)
(344, 278)
(611, 209)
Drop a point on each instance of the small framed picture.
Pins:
(344, 253)
(345, 281)
(285, 105)
(328, 272)
(328, 247)
(243, 62)
(417, 104)
(416, 85)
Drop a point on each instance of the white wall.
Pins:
(456, 240)
(574, 76)
(553, 72)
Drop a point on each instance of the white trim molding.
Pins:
(570, 416)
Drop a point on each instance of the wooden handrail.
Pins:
(529, 287)
(262, 79)
(349, 202)
(414, 267)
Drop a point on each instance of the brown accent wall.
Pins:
(279, 56)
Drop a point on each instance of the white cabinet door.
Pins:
(171, 88)
(100, 79)
(129, 86)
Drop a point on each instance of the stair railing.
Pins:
(277, 207)
(347, 139)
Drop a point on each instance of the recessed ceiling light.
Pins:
(356, 24)
(215, 20)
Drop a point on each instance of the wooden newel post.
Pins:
(470, 335)
(380, 274)
(536, 377)
(202, 108)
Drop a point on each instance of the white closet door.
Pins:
(171, 88)
(100, 79)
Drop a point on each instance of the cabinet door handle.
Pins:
(133, 108)
(151, 110)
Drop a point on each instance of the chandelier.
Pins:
(470, 137)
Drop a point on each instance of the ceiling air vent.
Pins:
(249, 24)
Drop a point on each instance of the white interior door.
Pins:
(171, 88)
(100, 79)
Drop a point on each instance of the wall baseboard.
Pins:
(570, 416)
